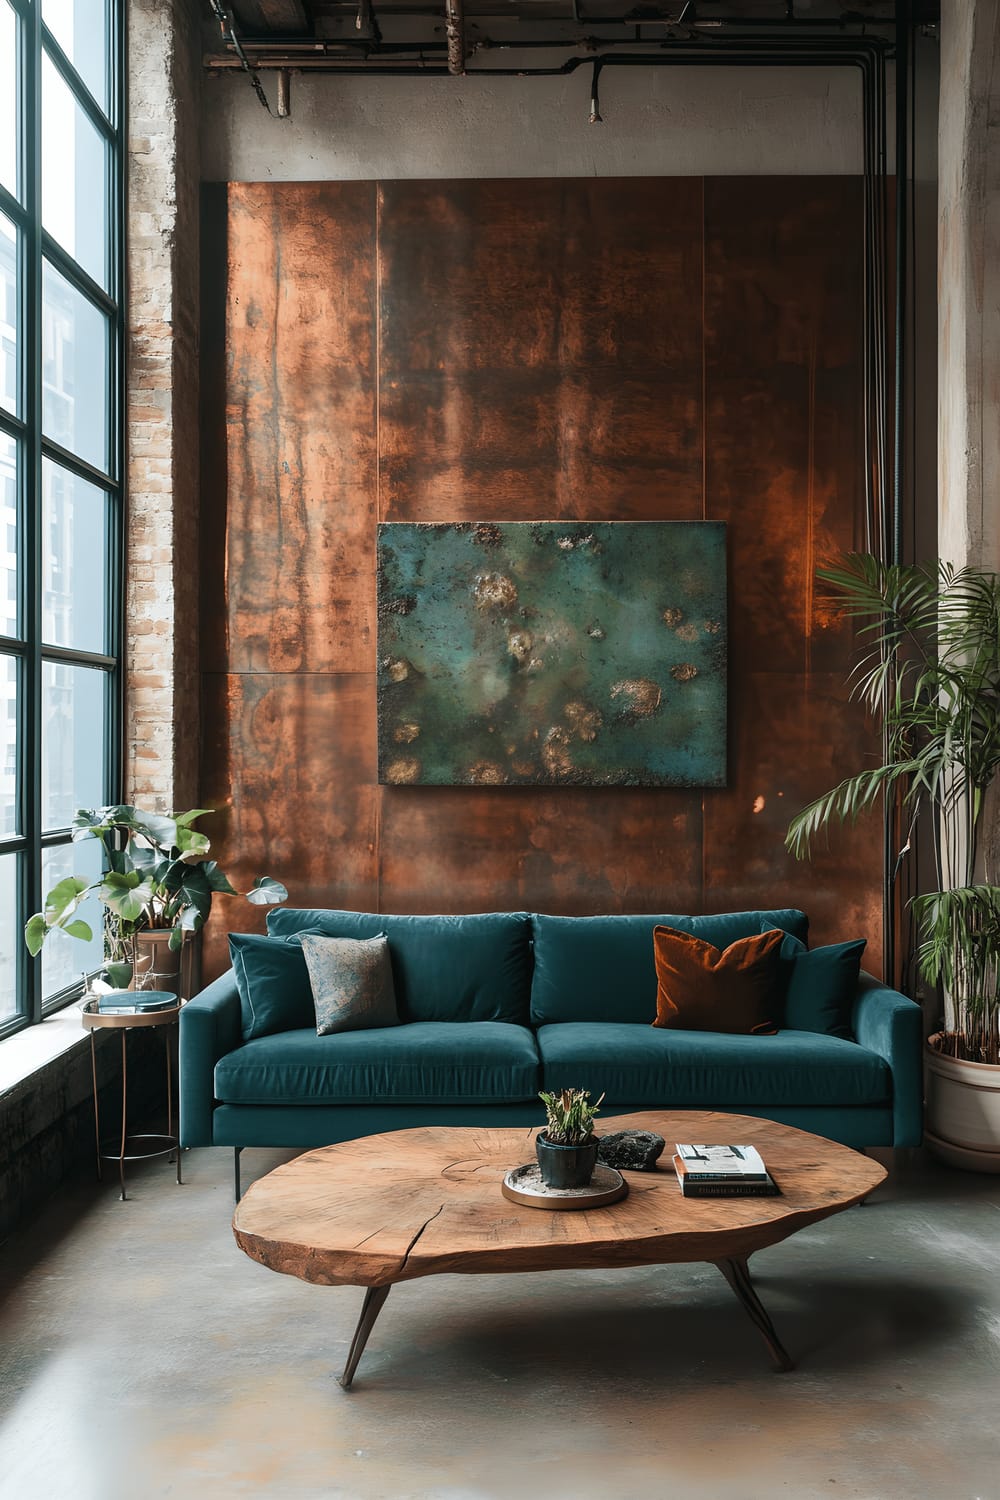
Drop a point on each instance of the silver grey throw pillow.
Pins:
(351, 982)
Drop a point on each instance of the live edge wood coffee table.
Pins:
(426, 1202)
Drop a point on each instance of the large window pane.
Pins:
(9, 316)
(74, 560)
(75, 370)
(60, 724)
(74, 177)
(81, 29)
(72, 741)
(10, 936)
(8, 746)
(8, 536)
(64, 958)
(8, 98)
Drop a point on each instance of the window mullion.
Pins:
(13, 426)
(9, 205)
(115, 608)
(76, 275)
(31, 500)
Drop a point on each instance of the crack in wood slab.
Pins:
(409, 1248)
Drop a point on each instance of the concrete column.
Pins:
(969, 309)
(162, 705)
(969, 284)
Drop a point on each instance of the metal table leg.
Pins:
(737, 1273)
(371, 1307)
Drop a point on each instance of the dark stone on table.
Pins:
(631, 1150)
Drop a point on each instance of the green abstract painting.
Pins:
(552, 653)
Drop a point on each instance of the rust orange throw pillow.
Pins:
(701, 989)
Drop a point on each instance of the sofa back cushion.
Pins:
(464, 968)
(273, 984)
(821, 985)
(601, 968)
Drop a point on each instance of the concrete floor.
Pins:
(142, 1355)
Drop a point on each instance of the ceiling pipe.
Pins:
(417, 59)
(455, 26)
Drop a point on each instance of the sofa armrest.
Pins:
(892, 1026)
(210, 1027)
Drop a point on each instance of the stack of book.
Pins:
(722, 1172)
(134, 1002)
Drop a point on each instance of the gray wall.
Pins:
(674, 121)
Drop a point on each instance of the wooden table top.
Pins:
(424, 1202)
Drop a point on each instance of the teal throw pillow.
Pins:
(351, 982)
(821, 985)
(273, 984)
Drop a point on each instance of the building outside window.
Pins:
(61, 520)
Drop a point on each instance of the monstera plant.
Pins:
(929, 670)
(157, 879)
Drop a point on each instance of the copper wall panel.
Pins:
(570, 850)
(783, 469)
(791, 738)
(520, 350)
(290, 762)
(783, 402)
(299, 558)
(540, 350)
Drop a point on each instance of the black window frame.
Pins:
(36, 247)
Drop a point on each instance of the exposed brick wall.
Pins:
(162, 704)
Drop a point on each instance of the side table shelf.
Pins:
(133, 1147)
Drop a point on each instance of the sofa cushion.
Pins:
(466, 968)
(636, 1064)
(351, 982)
(426, 1062)
(821, 985)
(273, 983)
(704, 988)
(601, 968)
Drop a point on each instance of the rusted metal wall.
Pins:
(607, 349)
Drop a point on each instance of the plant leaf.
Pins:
(79, 929)
(35, 933)
(64, 897)
(266, 891)
(184, 820)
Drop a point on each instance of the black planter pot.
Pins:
(565, 1166)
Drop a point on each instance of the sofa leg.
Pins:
(236, 1172)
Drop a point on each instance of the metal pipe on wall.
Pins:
(455, 30)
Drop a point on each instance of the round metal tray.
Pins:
(524, 1185)
(93, 1019)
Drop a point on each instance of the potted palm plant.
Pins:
(930, 670)
(157, 886)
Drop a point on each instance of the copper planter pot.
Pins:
(158, 967)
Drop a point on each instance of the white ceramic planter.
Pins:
(963, 1111)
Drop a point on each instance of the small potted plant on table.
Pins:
(567, 1148)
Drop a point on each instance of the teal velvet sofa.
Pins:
(496, 1006)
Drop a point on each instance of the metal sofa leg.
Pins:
(236, 1172)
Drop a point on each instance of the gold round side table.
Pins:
(133, 1147)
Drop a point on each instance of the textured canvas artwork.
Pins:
(552, 653)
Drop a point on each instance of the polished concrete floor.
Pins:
(142, 1355)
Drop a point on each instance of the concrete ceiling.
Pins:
(470, 35)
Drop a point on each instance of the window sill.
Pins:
(32, 1050)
